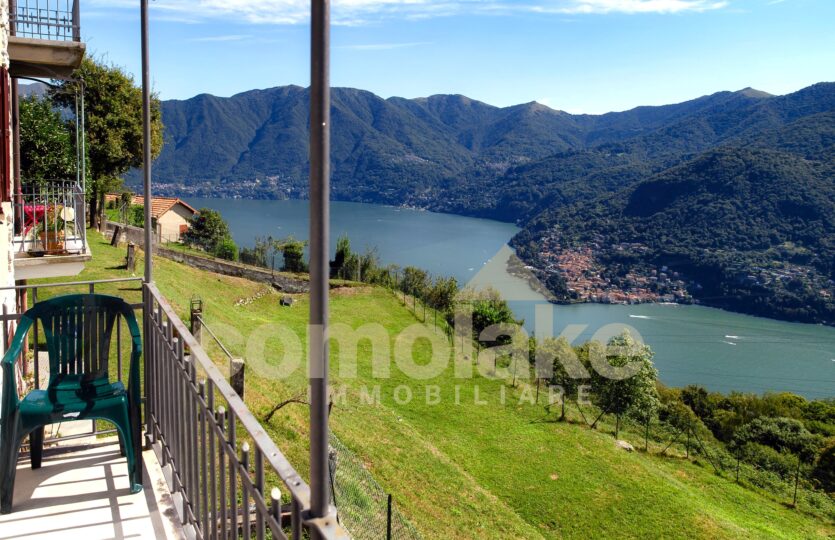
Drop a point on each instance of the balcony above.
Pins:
(50, 266)
(45, 38)
(50, 239)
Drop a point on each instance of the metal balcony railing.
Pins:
(227, 478)
(57, 20)
(232, 478)
(50, 219)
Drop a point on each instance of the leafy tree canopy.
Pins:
(208, 229)
(47, 149)
(113, 124)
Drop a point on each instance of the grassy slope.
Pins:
(470, 471)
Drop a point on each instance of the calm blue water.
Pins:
(693, 345)
(443, 244)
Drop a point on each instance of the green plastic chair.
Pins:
(77, 329)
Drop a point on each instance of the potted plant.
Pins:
(51, 231)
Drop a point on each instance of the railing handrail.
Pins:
(43, 20)
(217, 339)
(299, 489)
(68, 283)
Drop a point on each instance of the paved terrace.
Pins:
(81, 491)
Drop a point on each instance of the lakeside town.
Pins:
(587, 280)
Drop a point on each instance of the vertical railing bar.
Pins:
(212, 433)
(233, 469)
(185, 418)
(275, 510)
(181, 412)
(221, 422)
(204, 469)
(173, 409)
(5, 328)
(76, 21)
(174, 422)
(192, 419)
(190, 436)
(35, 332)
(296, 518)
(246, 523)
(170, 403)
(166, 383)
(259, 490)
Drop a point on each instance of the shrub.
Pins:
(226, 249)
(824, 471)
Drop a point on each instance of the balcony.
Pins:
(50, 236)
(45, 38)
(210, 470)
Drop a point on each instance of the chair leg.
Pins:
(9, 452)
(123, 425)
(36, 447)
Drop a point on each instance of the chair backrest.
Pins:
(78, 329)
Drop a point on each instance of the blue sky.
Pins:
(587, 56)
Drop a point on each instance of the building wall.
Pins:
(7, 298)
(168, 224)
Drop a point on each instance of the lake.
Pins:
(720, 350)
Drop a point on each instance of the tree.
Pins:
(415, 281)
(564, 363)
(136, 215)
(781, 434)
(259, 255)
(766, 441)
(341, 258)
(226, 249)
(824, 471)
(47, 151)
(620, 396)
(113, 112)
(442, 294)
(488, 308)
(293, 251)
(207, 230)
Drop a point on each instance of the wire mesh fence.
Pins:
(363, 506)
(695, 443)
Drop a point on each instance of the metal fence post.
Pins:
(146, 140)
(76, 21)
(388, 519)
(236, 375)
(196, 319)
(319, 255)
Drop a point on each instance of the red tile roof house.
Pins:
(171, 216)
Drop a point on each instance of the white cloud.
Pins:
(635, 6)
(384, 46)
(353, 12)
(230, 37)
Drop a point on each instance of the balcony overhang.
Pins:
(28, 266)
(44, 58)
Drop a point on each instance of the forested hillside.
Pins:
(732, 191)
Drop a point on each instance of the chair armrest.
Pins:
(10, 398)
(135, 355)
(16, 345)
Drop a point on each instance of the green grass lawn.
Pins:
(467, 470)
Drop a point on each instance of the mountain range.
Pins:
(733, 191)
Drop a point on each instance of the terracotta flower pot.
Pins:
(53, 242)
